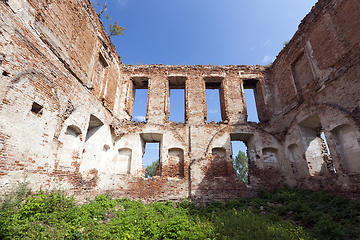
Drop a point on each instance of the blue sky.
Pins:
(195, 32)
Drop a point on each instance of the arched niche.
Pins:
(310, 131)
(94, 125)
(93, 153)
(176, 162)
(219, 166)
(270, 157)
(219, 152)
(347, 148)
(73, 130)
(123, 161)
(71, 146)
(105, 154)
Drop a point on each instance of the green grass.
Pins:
(282, 214)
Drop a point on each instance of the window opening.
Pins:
(37, 108)
(213, 104)
(326, 146)
(251, 105)
(177, 98)
(140, 105)
(177, 105)
(140, 86)
(250, 101)
(316, 154)
(240, 160)
(151, 159)
(326, 153)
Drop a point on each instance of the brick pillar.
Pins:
(195, 100)
(235, 99)
(157, 99)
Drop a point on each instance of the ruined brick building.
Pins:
(67, 102)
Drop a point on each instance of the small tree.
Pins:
(114, 29)
(241, 166)
(151, 169)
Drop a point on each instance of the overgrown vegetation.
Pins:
(283, 214)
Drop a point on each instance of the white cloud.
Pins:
(212, 111)
(140, 118)
(267, 59)
(123, 3)
(267, 42)
(154, 147)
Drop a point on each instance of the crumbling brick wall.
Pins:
(59, 79)
(67, 104)
(314, 82)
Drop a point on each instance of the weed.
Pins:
(283, 214)
(15, 197)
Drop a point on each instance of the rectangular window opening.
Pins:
(177, 105)
(249, 92)
(177, 98)
(240, 160)
(151, 159)
(140, 95)
(213, 104)
(37, 108)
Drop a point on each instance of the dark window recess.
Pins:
(37, 109)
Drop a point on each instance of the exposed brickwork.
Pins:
(67, 103)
